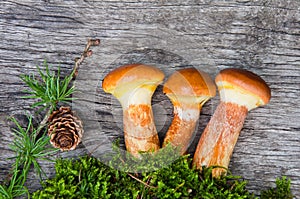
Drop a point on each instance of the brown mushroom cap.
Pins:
(246, 81)
(190, 82)
(132, 75)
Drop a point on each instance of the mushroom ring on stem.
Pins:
(133, 85)
(240, 91)
(188, 89)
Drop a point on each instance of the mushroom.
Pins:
(133, 85)
(188, 89)
(240, 91)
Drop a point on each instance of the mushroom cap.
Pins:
(190, 82)
(132, 76)
(246, 83)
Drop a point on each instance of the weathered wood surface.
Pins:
(262, 36)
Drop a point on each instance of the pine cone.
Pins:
(65, 129)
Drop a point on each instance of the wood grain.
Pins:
(261, 36)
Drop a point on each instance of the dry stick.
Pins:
(86, 53)
(44, 121)
(148, 180)
(78, 61)
(139, 180)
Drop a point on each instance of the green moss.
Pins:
(282, 190)
(89, 178)
(162, 175)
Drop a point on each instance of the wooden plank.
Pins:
(262, 36)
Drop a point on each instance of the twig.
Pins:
(44, 121)
(86, 53)
(137, 179)
(144, 183)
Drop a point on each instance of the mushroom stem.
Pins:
(139, 129)
(185, 120)
(220, 136)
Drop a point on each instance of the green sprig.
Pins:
(49, 88)
(15, 187)
(29, 148)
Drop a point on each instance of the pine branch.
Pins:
(78, 61)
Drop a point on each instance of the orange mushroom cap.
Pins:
(131, 73)
(189, 82)
(245, 82)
